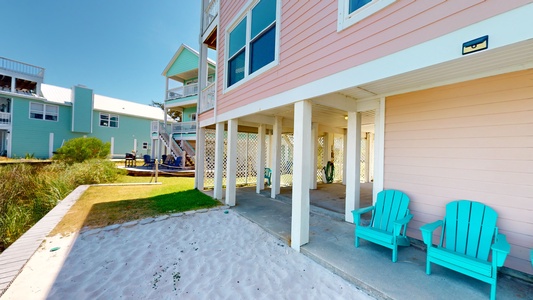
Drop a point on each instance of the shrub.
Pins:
(81, 149)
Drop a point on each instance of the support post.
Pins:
(300, 187)
(276, 158)
(231, 171)
(260, 185)
(379, 144)
(199, 175)
(219, 160)
(353, 182)
(314, 154)
(345, 154)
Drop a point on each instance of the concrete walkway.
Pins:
(369, 266)
(13, 259)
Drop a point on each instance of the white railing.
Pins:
(207, 98)
(5, 118)
(182, 91)
(210, 13)
(184, 128)
(20, 67)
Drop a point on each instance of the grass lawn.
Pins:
(105, 205)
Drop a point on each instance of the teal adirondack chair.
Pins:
(388, 224)
(532, 258)
(468, 235)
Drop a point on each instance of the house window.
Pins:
(252, 44)
(40, 111)
(108, 120)
(353, 11)
(192, 117)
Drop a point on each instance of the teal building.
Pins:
(37, 118)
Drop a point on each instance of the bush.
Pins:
(81, 149)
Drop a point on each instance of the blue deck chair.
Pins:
(468, 235)
(389, 221)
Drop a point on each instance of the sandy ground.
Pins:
(210, 255)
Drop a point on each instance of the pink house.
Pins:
(441, 92)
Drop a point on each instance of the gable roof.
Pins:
(60, 95)
(183, 61)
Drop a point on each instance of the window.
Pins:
(40, 111)
(353, 11)
(108, 120)
(252, 44)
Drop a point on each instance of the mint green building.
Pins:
(181, 99)
(37, 118)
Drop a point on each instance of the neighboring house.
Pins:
(445, 88)
(181, 98)
(37, 118)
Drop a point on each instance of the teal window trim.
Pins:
(46, 112)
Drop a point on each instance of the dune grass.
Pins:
(105, 205)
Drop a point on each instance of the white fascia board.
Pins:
(449, 48)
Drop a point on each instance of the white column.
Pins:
(13, 83)
(353, 184)
(314, 154)
(135, 145)
(200, 159)
(367, 156)
(276, 158)
(300, 182)
(260, 185)
(112, 146)
(219, 160)
(231, 163)
(345, 153)
(50, 145)
(379, 146)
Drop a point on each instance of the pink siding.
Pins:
(471, 140)
(312, 49)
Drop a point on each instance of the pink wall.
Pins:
(311, 48)
(471, 140)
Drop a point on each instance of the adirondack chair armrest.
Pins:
(358, 212)
(427, 231)
(398, 224)
(500, 249)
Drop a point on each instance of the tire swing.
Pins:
(329, 170)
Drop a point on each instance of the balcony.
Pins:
(5, 118)
(210, 14)
(207, 99)
(182, 91)
(181, 128)
(17, 67)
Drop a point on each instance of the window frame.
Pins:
(246, 12)
(109, 116)
(44, 112)
(347, 19)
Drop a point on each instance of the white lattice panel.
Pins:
(338, 157)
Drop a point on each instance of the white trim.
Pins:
(346, 19)
(246, 11)
(44, 111)
(109, 120)
(402, 62)
(231, 162)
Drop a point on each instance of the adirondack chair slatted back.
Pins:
(469, 228)
(391, 205)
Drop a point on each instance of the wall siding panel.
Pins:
(311, 48)
(471, 140)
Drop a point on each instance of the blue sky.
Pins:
(118, 48)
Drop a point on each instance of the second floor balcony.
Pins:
(5, 118)
(182, 91)
(209, 14)
(181, 128)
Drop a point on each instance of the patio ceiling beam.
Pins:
(337, 101)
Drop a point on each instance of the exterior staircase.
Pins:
(175, 149)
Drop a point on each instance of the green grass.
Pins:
(105, 205)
